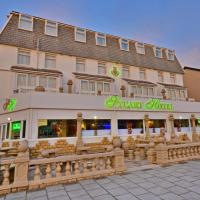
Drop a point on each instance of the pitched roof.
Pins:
(191, 68)
(66, 45)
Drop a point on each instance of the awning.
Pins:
(138, 82)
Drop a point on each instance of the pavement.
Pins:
(175, 182)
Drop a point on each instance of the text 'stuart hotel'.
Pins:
(50, 71)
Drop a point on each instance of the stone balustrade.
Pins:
(166, 154)
(39, 173)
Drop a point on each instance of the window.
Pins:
(31, 80)
(170, 54)
(125, 72)
(158, 52)
(106, 87)
(25, 22)
(91, 86)
(21, 80)
(23, 57)
(52, 82)
(80, 65)
(80, 34)
(142, 74)
(182, 94)
(84, 85)
(51, 28)
(100, 86)
(160, 77)
(101, 68)
(100, 39)
(173, 78)
(50, 61)
(140, 48)
(43, 81)
(124, 44)
(142, 91)
(150, 92)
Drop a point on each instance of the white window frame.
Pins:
(142, 88)
(174, 77)
(100, 35)
(155, 49)
(103, 65)
(21, 51)
(21, 16)
(125, 68)
(53, 58)
(81, 60)
(140, 48)
(125, 41)
(56, 26)
(170, 52)
(142, 70)
(84, 31)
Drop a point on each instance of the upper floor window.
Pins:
(173, 78)
(25, 22)
(160, 77)
(80, 34)
(170, 54)
(100, 39)
(50, 61)
(23, 57)
(142, 74)
(158, 52)
(102, 68)
(125, 72)
(80, 65)
(124, 44)
(51, 28)
(21, 80)
(140, 48)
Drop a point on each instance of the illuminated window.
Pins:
(50, 61)
(80, 34)
(80, 65)
(158, 52)
(51, 28)
(23, 57)
(140, 48)
(25, 22)
(101, 68)
(124, 44)
(100, 39)
(125, 72)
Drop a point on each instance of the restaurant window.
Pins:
(100, 39)
(101, 68)
(173, 78)
(124, 44)
(142, 74)
(4, 131)
(15, 130)
(96, 127)
(160, 77)
(80, 34)
(155, 125)
(80, 65)
(53, 128)
(182, 125)
(126, 126)
(23, 57)
(50, 61)
(125, 72)
(25, 22)
(140, 47)
(158, 52)
(51, 28)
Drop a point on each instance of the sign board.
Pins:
(16, 126)
(116, 102)
(10, 104)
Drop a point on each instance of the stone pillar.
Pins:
(118, 161)
(79, 142)
(194, 131)
(69, 85)
(172, 131)
(114, 125)
(123, 90)
(147, 133)
(161, 154)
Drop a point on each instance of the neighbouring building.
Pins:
(50, 71)
(191, 80)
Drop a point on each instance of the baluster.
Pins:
(6, 175)
(58, 170)
(102, 164)
(37, 173)
(174, 153)
(68, 169)
(48, 171)
(108, 163)
(76, 168)
(85, 165)
(94, 165)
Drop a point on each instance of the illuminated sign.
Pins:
(115, 72)
(198, 120)
(16, 126)
(10, 104)
(151, 104)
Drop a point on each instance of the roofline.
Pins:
(191, 68)
(114, 36)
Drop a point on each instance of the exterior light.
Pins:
(9, 119)
(180, 117)
(95, 117)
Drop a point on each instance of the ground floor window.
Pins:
(127, 126)
(156, 124)
(96, 127)
(198, 125)
(181, 125)
(4, 131)
(52, 128)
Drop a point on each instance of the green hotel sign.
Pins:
(16, 126)
(10, 104)
(151, 104)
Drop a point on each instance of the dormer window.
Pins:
(158, 52)
(140, 47)
(51, 28)
(170, 54)
(124, 44)
(100, 39)
(80, 34)
(25, 22)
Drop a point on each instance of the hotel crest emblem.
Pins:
(115, 72)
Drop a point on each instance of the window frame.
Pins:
(142, 70)
(56, 26)
(103, 65)
(85, 32)
(172, 52)
(155, 50)
(101, 35)
(140, 88)
(49, 55)
(21, 51)
(19, 22)
(127, 69)
(140, 45)
(174, 78)
(81, 60)
(120, 42)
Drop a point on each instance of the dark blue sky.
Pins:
(174, 24)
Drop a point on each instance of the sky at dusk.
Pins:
(173, 24)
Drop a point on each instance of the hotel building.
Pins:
(50, 71)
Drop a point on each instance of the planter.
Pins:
(40, 89)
